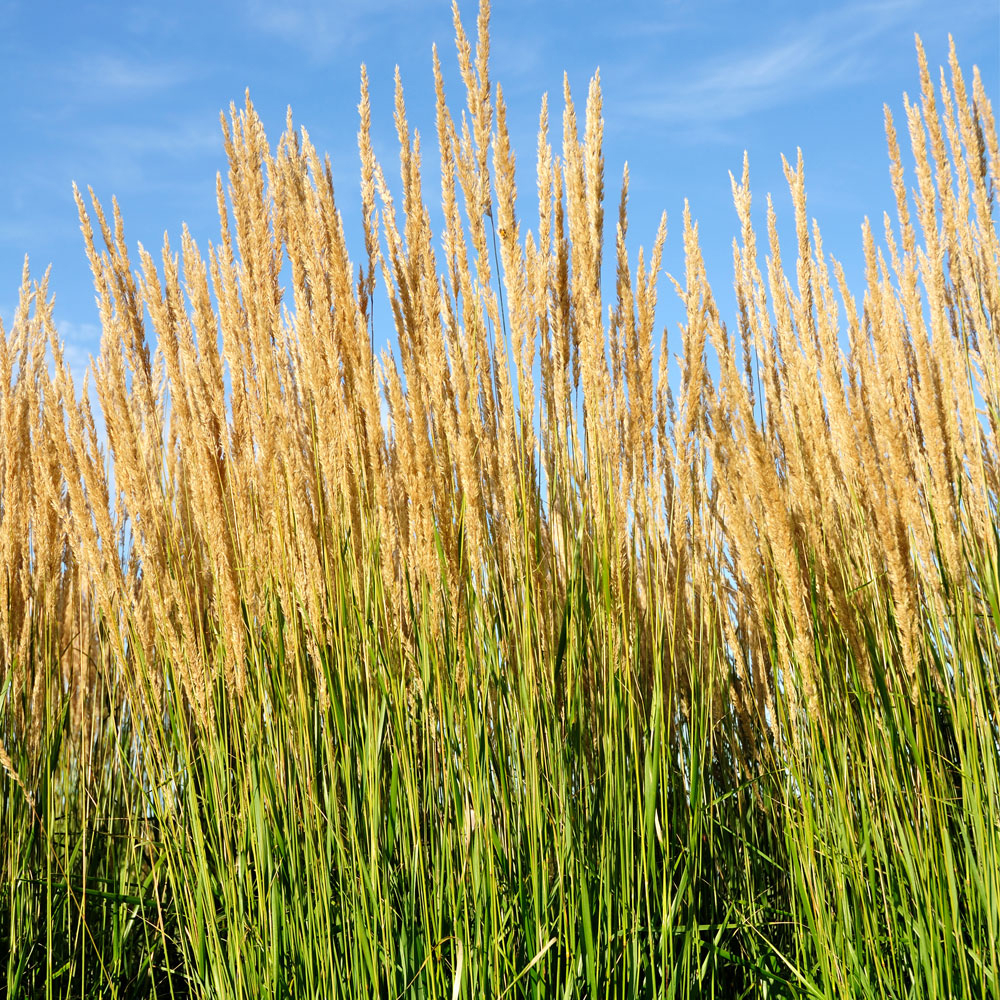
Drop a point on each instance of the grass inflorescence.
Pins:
(505, 663)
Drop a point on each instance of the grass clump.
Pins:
(498, 665)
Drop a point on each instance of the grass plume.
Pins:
(496, 664)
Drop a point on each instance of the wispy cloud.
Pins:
(102, 77)
(115, 72)
(118, 155)
(320, 28)
(178, 138)
(831, 49)
(79, 342)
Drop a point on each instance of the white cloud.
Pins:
(104, 77)
(822, 52)
(179, 138)
(319, 27)
(79, 341)
(122, 157)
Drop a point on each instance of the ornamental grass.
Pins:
(508, 661)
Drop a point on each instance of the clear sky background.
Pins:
(125, 97)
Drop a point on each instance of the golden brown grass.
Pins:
(507, 662)
(847, 445)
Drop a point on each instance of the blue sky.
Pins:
(125, 97)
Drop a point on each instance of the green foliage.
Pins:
(449, 814)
